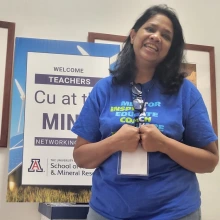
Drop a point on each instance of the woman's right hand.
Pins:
(91, 155)
(127, 138)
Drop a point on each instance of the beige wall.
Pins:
(71, 20)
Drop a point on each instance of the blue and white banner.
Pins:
(52, 80)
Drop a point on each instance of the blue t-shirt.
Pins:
(170, 191)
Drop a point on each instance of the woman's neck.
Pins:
(144, 76)
(144, 73)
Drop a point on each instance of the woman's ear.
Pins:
(132, 35)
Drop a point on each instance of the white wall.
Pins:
(72, 20)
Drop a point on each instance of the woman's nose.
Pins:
(155, 37)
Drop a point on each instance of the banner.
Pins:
(52, 80)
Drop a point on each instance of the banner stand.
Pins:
(51, 82)
(61, 211)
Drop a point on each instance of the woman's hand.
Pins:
(127, 138)
(152, 140)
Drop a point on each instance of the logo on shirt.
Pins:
(125, 113)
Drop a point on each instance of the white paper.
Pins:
(134, 163)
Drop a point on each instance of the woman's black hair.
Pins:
(168, 71)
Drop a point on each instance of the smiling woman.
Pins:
(171, 140)
(151, 43)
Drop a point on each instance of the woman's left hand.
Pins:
(152, 140)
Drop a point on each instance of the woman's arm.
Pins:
(91, 155)
(198, 160)
(194, 159)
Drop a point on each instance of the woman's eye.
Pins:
(149, 29)
(167, 37)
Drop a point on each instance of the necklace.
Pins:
(139, 104)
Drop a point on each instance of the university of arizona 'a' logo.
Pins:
(35, 166)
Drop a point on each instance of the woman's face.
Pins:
(153, 40)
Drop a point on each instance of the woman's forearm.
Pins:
(91, 155)
(194, 159)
